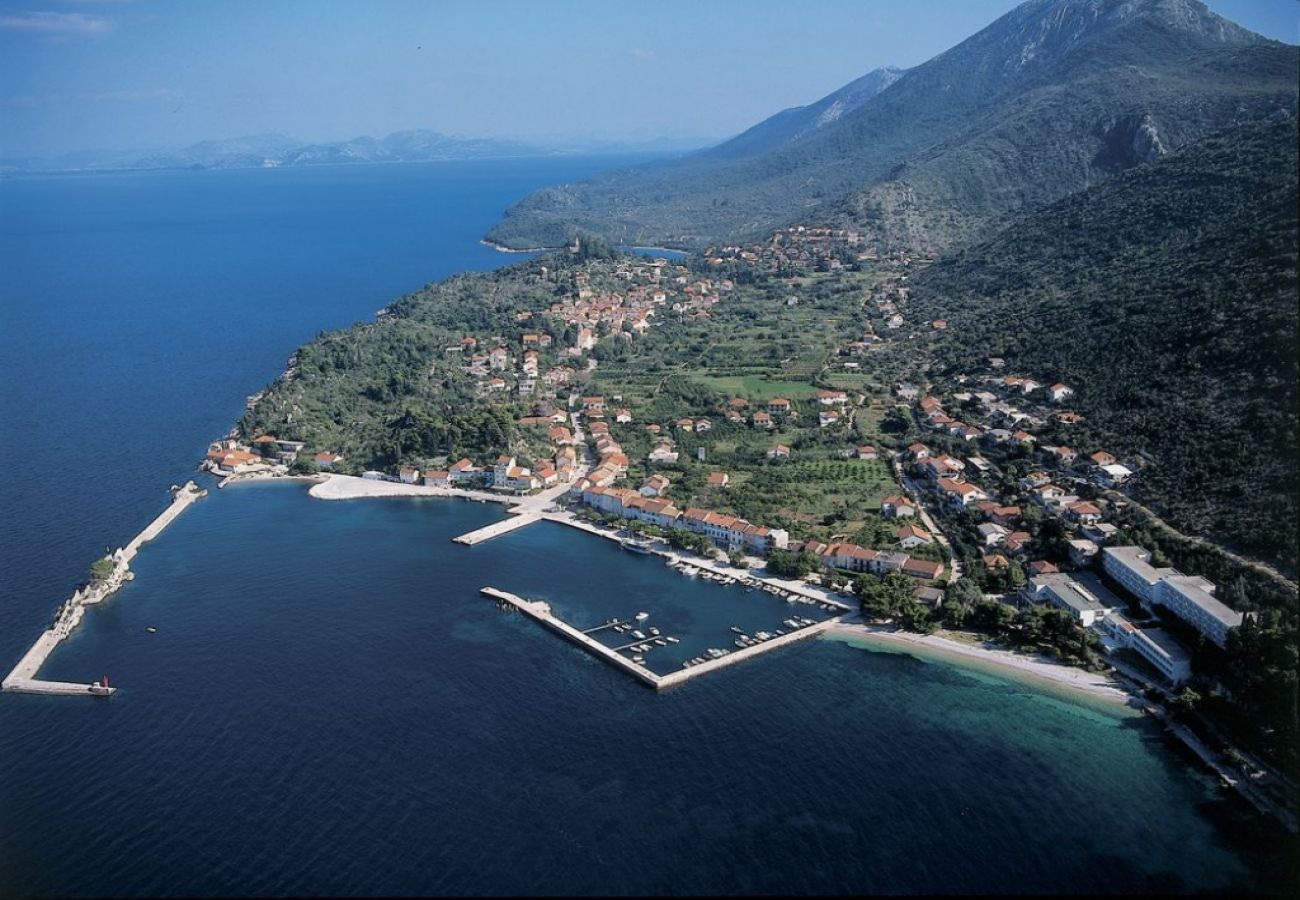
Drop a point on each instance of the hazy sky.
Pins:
(80, 74)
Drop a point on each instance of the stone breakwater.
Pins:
(23, 677)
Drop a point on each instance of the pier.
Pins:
(23, 678)
(496, 529)
(537, 609)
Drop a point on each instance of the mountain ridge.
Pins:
(1014, 116)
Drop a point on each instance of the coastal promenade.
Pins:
(524, 510)
(22, 679)
(541, 611)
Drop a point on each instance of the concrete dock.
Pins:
(22, 679)
(541, 611)
(496, 529)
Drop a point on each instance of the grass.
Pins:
(757, 387)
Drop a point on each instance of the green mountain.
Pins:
(1052, 98)
(1166, 297)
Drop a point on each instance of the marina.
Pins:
(716, 658)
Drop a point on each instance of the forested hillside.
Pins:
(1167, 298)
(1053, 97)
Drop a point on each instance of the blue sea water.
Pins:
(328, 705)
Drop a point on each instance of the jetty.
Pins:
(541, 611)
(23, 678)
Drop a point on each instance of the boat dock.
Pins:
(23, 678)
(496, 529)
(541, 611)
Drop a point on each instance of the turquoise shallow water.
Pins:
(328, 706)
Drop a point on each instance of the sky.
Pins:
(141, 74)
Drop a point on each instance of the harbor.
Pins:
(712, 660)
(22, 679)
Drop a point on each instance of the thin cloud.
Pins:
(56, 24)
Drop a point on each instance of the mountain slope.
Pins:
(1051, 98)
(801, 121)
(1167, 298)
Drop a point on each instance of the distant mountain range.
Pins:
(1052, 98)
(277, 151)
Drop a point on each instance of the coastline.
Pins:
(501, 248)
(1036, 671)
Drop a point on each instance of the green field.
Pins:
(757, 387)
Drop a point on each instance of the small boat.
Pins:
(739, 643)
(673, 640)
(639, 635)
(779, 632)
(638, 659)
(661, 642)
(654, 632)
(642, 616)
(635, 546)
(151, 630)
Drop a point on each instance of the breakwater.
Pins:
(541, 612)
(22, 679)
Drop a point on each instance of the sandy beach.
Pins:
(990, 660)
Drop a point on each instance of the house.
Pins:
(598, 429)
(762, 420)
(832, 398)
(992, 534)
(826, 418)
(560, 435)
(623, 416)
(718, 479)
(1017, 541)
(593, 404)
(328, 460)
(897, 507)
(996, 561)
(408, 475)
(919, 451)
(1082, 552)
(655, 486)
(437, 478)
(866, 451)
(1101, 458)
(1063, 455)
(922, 568)
(959, 493)
(778, 452)
(1058, 392)
(462, 471)
(778, 406)
(1112, 476)
(703, 425)
(1083, 512)
(914, 536)
(686, 424)
(1048, 494)
(1041, 567)
(1088, 601)
(662, 453)
(499, 358)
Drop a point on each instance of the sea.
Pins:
(326, 705)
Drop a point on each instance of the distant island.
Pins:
(275, 151)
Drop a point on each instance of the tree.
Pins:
(101, 570)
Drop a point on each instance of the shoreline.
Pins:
(1036, 671)
(502, 248)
